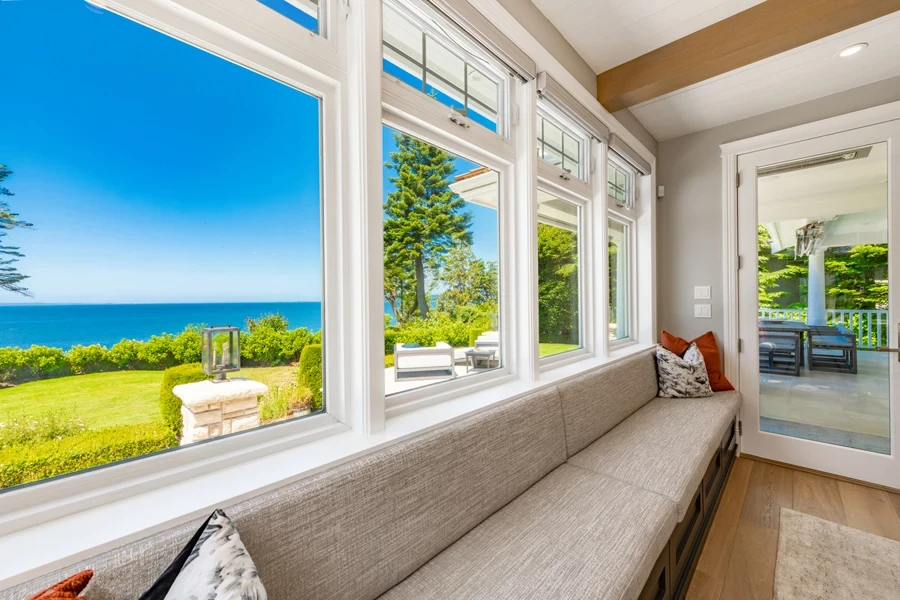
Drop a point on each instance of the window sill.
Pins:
(89, 532)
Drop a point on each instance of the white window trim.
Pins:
(621, 216)
(631, 186)
(579, 185)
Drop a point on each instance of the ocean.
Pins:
(66, 325)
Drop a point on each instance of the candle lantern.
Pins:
(221, 351)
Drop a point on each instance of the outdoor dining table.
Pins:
(798, 327)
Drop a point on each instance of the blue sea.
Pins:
(66, 325)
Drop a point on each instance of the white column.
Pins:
(816, 289)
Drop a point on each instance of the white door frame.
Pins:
(731, 257)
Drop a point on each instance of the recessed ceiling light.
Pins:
(851, 50)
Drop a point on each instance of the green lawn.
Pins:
(105, 399)
(546, 349)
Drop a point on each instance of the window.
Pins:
(441, 280)
(620, 185)
(560, 148)
(559, 288)
(619, 292)
(427, 59)
(302, 12)
(182, 205)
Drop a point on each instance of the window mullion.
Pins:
(600, 250)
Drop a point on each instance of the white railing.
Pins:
(870, 326)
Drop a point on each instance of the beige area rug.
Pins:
(821, 560)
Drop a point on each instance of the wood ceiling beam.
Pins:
(767, 29)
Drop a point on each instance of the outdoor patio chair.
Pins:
(412, 361)
(780, 353)
(832, 348)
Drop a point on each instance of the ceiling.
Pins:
(850, 196)
(799, 75)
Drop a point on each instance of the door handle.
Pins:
(892, 350)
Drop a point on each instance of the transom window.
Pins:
(620, 185)
(559, 147)
(302, 12)
(432, 62)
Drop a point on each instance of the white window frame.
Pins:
(445, 33)
(631, 245)
(304, 65)
(586, 289)
(578, 185)
(343, 66)
(630, 185)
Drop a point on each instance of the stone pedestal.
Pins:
(213, 408)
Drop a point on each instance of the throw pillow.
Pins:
(214, 565)
(710, 350)
(682, 377)
(67, 588)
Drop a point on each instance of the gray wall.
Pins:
(689, 218)
(630, 122)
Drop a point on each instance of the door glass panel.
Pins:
(823, 299)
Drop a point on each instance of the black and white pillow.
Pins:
(214, 565)
(682, 377)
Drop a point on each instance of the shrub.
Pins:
(186, 346)
(388, 361)
(157, 352)
(89, 359)
(42, 362)
(47, 426)
(23, 463)
(10, 364)
(311, 374)
(474, 332)
(124, 355)
(282, 400)
(169, 403)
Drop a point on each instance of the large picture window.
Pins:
(428, 60)
(559, 288)
(182, 204)
(441, 251)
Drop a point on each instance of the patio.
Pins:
(838, 408)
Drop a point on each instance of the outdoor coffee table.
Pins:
(473, 356)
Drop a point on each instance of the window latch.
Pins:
(566, 175)
(459, 120)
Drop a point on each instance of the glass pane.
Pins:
(302, 12)
(554, 157)
(558, 285)
(618, 280)
(441, 281)
(553, 136)
(823, 299)
(436, 68)
(213, 218)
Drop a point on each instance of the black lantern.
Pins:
(221, 351)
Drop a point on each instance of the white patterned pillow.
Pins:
(682, 377)
(214, 565)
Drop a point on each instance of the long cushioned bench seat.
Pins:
(570, 492)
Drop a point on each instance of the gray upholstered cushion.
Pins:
(665, 446)
(356, 530)
(596, 402)
(575, 534)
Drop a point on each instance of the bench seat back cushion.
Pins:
(596, 402)
(357, 530)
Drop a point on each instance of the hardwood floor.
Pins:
(738, 560)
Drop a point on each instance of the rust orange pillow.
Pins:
(66, 589)
(706, 343)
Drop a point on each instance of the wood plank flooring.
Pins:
(738, 560)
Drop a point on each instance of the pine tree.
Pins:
(424, 218)
(10, 277)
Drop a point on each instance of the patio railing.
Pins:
(870, 326)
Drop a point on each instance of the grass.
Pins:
(106, 399)
(547, 349)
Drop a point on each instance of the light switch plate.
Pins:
(703, 311)
(701, 292)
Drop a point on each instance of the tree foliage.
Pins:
(466, 280)
(856, 275)
(10, 277)
(424, 220)
(557, 284)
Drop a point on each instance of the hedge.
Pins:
(24, 463)
(266, 345)
(169, 403)
(311, 374)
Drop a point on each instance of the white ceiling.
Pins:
(607, 33)
(799, 75)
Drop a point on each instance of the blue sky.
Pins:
(156, 172)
